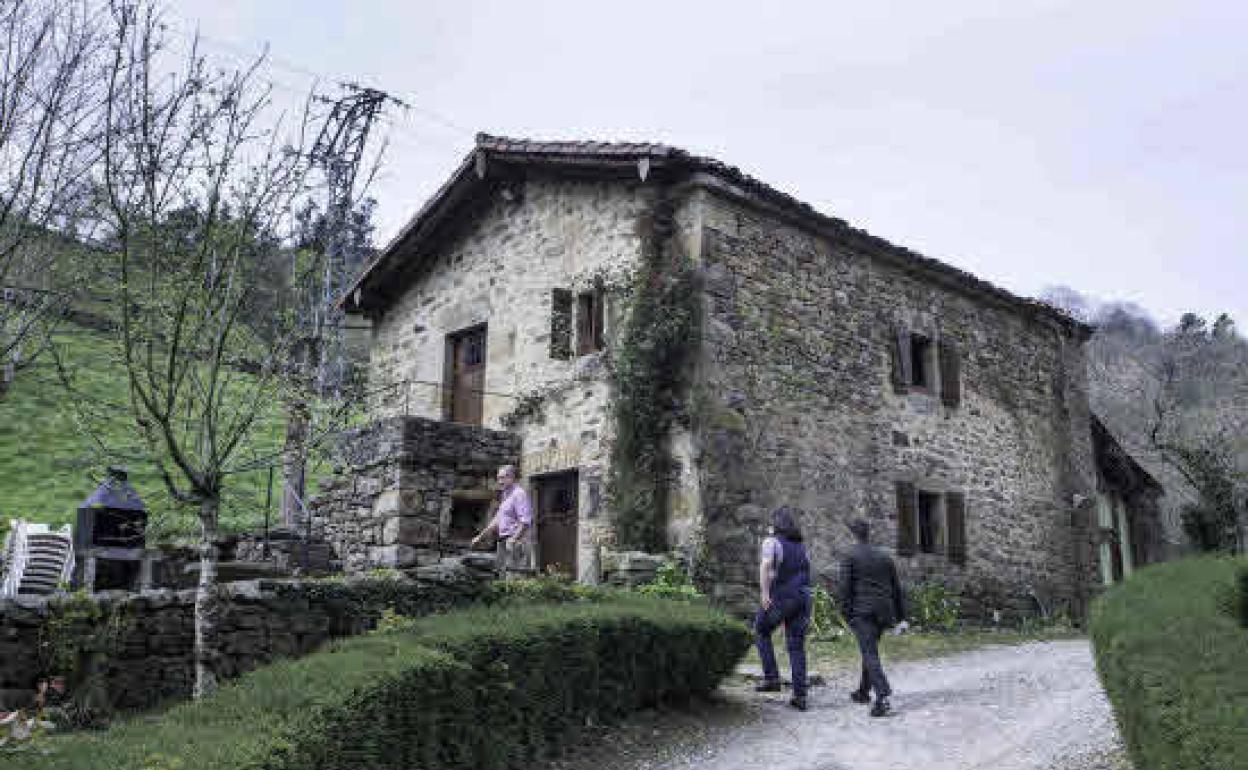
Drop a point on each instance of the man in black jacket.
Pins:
(871, 600)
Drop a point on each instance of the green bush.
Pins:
(670, 582)
(933, 606)
(1175, 665)
(826, 621)
(489, 687)
(546, 589)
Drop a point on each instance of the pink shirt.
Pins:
(514, 511)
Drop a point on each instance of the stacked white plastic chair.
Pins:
(37, 559)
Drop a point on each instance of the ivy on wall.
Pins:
(651, 368)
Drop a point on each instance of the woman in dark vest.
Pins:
(784, 581)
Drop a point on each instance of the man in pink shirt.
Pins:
(512, 525)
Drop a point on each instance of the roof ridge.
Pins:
(611, 152)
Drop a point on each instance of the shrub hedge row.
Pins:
(480, 688)
(1174, 661)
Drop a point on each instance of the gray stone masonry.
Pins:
(800, 408)
(390, 503)
(146, 655)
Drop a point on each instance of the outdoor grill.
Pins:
(111, 536)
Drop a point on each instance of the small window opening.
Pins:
(589, 318)
(467, 518)
(929, 522)
(475, 352)
(920, 361)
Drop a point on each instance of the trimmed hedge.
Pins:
(1174, 661)
(481, 688)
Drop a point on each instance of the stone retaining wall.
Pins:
(391, 502)
(133, 651)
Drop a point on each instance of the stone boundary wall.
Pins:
(130, 652)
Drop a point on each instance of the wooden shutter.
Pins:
(448, 379)
(903, 375)
(907, 513)
(955, 522)
(584, 324)
(950, 375)
(561, 324)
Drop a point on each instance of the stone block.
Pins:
(409, 530)
(395, 556)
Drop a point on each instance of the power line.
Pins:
(241, 54)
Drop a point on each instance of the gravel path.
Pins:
(1034, 706)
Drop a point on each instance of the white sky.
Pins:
(1099, 145)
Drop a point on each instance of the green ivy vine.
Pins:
(650, 371)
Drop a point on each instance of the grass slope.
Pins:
(49, 464)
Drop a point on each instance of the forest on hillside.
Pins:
(1177, 399)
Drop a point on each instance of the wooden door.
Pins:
(465, 386)
(556, 522)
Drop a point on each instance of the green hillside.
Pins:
(49, 463)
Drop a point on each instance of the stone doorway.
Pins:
(465, 376)
(556, 520)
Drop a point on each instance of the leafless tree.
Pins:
(198, 181)
(49, 132)
(1199, 423)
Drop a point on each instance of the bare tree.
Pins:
(198, 182)
(1199, 421)
(49, 131)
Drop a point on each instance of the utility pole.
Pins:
(339, 152)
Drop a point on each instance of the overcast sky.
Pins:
(1099, 145)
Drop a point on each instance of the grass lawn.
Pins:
(49, 464)
(826, 655)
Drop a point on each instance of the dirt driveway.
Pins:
(1033, 706)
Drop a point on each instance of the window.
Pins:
(467, 518)
(474, 350)
(589, 318)
(926, 365)
(920, 357)
(931, 522)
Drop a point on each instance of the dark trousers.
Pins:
(794, 612)
(868, 632)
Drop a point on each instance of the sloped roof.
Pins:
(644, 158)
(1115, 463)
(115, 493)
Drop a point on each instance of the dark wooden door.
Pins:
(466, 376)
(556, 522)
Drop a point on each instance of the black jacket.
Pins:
(869, 586)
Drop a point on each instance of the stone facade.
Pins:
(795, 396)
(501, 270)
(797, 385)
(394, 500)
(145, 655)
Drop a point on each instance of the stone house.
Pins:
(825, 368)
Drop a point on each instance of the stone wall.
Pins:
(798, 407)
(135, 650)
(391, 501)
